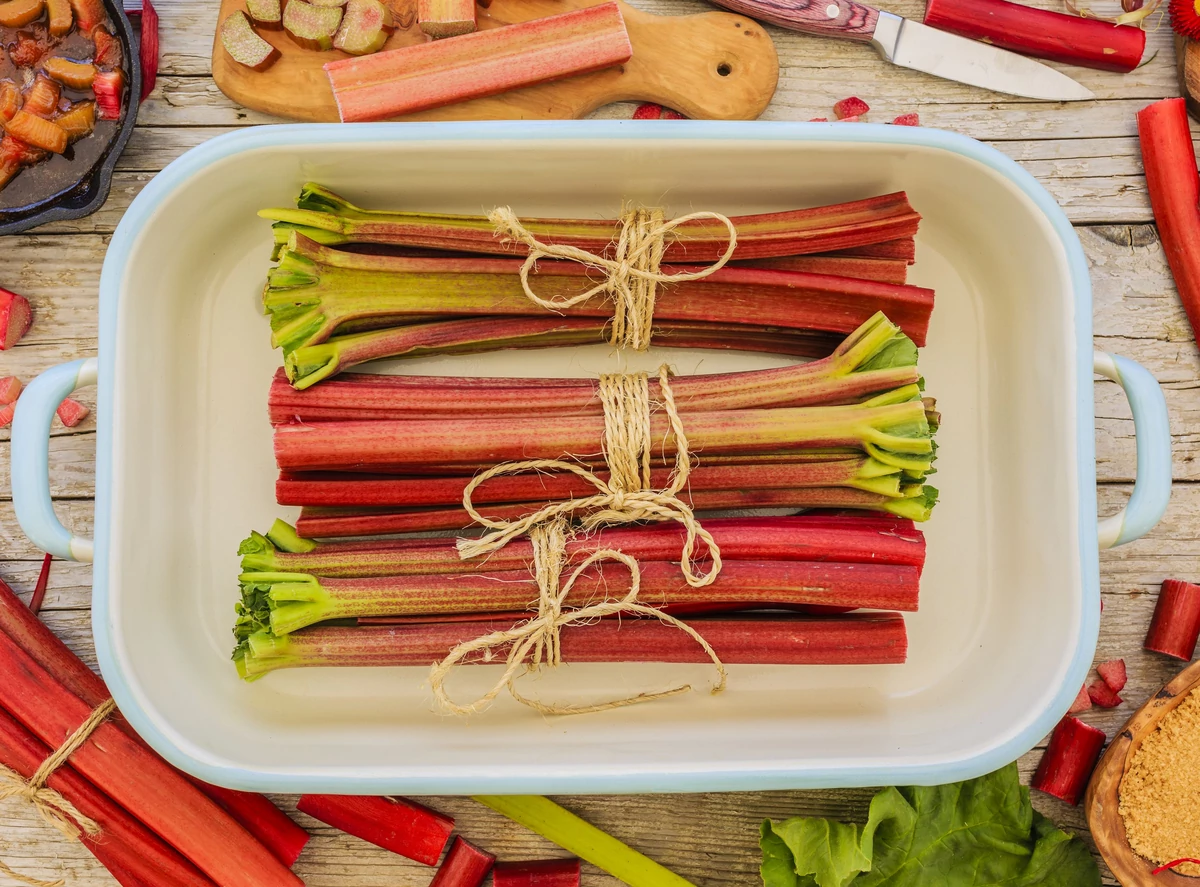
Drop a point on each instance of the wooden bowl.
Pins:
(1100, 802)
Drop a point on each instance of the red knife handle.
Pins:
(821, 18)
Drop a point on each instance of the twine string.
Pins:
(54, 809)
(631, 276)
(537, 641)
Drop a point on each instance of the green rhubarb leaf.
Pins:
(899, 351)
(978, 833)
(815, 851)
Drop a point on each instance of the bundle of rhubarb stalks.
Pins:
(369, 455)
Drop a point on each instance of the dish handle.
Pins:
(31, 458)
(1152, 432)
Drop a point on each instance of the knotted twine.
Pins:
(52, 806)
(631, 276)
(625, 497)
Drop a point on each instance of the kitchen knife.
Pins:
(913, 45)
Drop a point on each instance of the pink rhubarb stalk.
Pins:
(537, 873)
(854, 639)
(429, 75)
(1069, 760)
(396, 824)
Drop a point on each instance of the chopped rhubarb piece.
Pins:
(1175, 627)
(484, 63)
(15, 318)
(37, 131)
(670, 114)
(109, 88)
(10, 389)
(1069, 760)
(1113, 674)
(908, 120)
(10, 100)
(266, 13)
(62, 19)
(148, 48)
(27, 51)
(76, 75)
(43, 582)
(19, 13)
(1102, 695)
(853, 118)
(245, 46)
(537, 873)
(6, 414)
(1082, 702)
(396, 824)
(446, 18)
(365, 27)
(647, 111)
(71, 412)
(42, 98)
(79, 121)
(89, 13)
(108, 48)
(464, 866)
(311, 26)
(818, 120)
(850, 107)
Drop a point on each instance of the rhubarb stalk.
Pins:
(446, 18)
(484, 63)
(136, 779)
(803, 538)
(1042, 33)
(1175, 626)
(464, 866)
(876, 227)
(1171, 178)
(1069, 760)
(853, 639)
(537, 873)
(556, 824)
(396, 824)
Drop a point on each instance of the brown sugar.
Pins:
(1160, 794)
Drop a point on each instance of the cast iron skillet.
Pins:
(91, 191)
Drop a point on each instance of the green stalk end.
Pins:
(285, 538)
(307, 366)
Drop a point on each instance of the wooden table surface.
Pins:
(1086, 154)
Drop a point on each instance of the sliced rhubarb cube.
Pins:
(648, 111)
(1082, 702)
(10, 389)
(853, 118)
(1103, 695)
(1113, 673)
(6, 414)
(72, 412)
(908, 120)
(850, 107)
(15, 318)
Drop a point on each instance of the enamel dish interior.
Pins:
(1009, 597)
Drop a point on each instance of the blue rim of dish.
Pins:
(607, 779)
(89, 193)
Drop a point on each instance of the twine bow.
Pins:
(538, 640)
(626, 496)
(632, 274)
(54, 809)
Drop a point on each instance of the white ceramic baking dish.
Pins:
(1010, 601)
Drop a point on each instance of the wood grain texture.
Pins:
(712, 65)
(1085, 154)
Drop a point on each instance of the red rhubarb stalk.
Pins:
(43, 581)
(1170, 162)
(1041, 33)
(464, 866)
(484, 63)
(803, 538)
(1069, 760)
(274, 829)
(537, 873)
(1175, 627)
(15, 318)
(136, 779)
(853, 639)
(123, 842)
(883, 270)
(875, 227)
(396, 824)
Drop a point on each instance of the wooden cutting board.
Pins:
(1187, 58)
(713, 65)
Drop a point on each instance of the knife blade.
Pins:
(911, 44)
